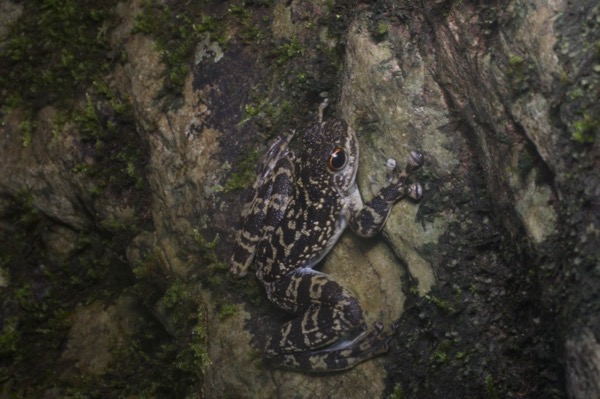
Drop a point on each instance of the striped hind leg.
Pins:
(328, 332)
(341, 356)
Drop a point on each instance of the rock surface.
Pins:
(493, 277)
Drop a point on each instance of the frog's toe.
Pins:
(374, 184)
(416, 159)
(390, 165)
(415, 191)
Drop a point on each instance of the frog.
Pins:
(302, 201)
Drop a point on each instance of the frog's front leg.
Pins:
(328, 333)
(368, 219)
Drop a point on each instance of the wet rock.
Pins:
(97, 332)
(482, 274)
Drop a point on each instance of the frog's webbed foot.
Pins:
(415, 161)
(390, 166)
(413, 190)
(329, 332)
(368, 219)
(341, 356)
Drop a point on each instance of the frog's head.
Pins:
(330, 151)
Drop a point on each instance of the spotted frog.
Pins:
(301, 203)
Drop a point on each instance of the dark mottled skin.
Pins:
(300, 206)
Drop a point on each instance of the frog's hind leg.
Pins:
(329, 332)
(341, 356)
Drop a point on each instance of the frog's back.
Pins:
(301, 205)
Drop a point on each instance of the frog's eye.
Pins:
(337, 159)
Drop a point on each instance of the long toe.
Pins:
(416, 191)
(416, 159)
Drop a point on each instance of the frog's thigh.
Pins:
(325, 311)
(268, 207)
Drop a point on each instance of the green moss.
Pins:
(440, 303)
(43, 292)
(156, 364)
(252, 33)
(491, 391)
(266, 109)
(585, 129)
(213, 273)
(174, 294)
(520, 73)
(382, 28)
(227, 310)
(114, 225)
(253, 110)
(379, 29)
(440, 356)
(27, 127)
(53, 50)
(9, 337)
(194, 359)
(116, 157)
(288, 50)
(151, 279)
(211, 268)
(239, 10)
(177, 29)
(207, 248)
(516, 61)
(397, 393)
(244, 175)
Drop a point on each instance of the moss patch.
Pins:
(54, 49)
(41, 292)
(113, 157)
(586, 129)
(244, 175)
(177, 28)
